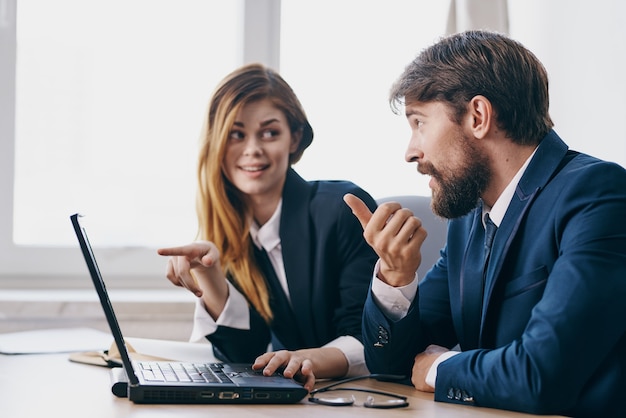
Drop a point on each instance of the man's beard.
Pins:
(459, 189)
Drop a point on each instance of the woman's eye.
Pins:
(269, 134)
(236, 135)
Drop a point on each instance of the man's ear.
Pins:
(481, 116)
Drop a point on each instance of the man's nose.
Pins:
(413, 151)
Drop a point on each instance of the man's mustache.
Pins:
(427, 169)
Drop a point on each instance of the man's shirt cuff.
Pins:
(393, 301)
(431, 377)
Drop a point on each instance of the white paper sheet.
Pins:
(61, 340)
(174, 350)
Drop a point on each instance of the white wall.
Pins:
(583, 46)
(581, 43)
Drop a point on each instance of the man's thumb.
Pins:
(359, 208)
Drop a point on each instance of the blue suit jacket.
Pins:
(552, 335)
(328, 266)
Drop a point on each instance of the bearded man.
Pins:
(530, 288)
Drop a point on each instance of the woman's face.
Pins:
(258, 149)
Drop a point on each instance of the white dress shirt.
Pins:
(236, 311)
(395, 301)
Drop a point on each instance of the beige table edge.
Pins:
(44, 384)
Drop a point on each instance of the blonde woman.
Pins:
(279, 259)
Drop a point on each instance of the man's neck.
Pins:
(506, 162)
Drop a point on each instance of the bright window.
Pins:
(341, 58)
(110, 97)
(102, 101)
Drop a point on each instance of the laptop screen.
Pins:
(98, 282)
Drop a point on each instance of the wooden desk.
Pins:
(51, 385)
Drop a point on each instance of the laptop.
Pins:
(181, 382)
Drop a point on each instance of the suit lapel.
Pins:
(296, 243)
(471, 283)
(541, 168)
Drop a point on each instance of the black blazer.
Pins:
(328, 266)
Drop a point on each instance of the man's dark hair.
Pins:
(462, 66)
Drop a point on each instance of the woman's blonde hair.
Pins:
(223, 215)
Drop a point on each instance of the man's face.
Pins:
(459, 172)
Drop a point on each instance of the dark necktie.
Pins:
(285, 334)
(490, 232)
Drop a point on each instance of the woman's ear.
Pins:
(482, 116)
(296, 137)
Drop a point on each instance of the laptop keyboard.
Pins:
(183, 372)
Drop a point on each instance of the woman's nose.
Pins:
(252, 146)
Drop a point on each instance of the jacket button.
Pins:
(383, 337)
(450, 393)
(466, 397)
(457, 394)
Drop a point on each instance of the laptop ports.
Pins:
(228, 395)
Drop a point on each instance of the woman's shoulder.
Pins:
(336, 187)
(326, 192)
(334, 190)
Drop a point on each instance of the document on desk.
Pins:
(147, 349)
(72, 340)
(48, 341)
(174, 350)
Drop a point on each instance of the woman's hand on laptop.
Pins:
(197, 268)
(304, 365)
